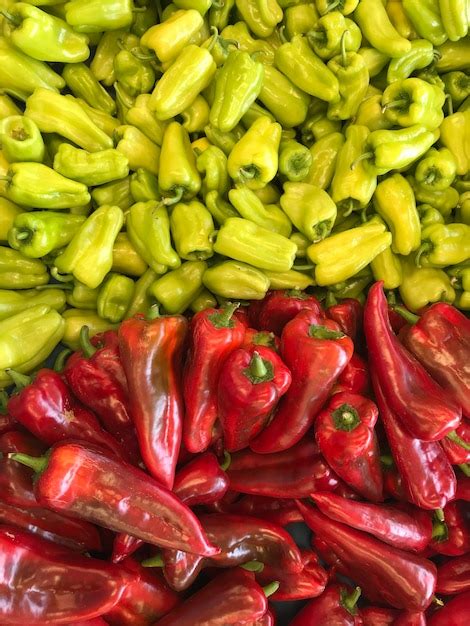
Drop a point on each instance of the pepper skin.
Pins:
(83, 84)
(90, 168)
(413, 101)
(309, 208)
(295, 160)
(436, 170)
(451, 535)
(348, 313)
(212, 163)
(353, 78)
(444, 244)
(178, 177)
(455, 135)
(423, 286)
(99, 15)
(336, 605)
(426, 18)
(355, 377)
(177, 289)
(453, 613)
(280, 307)
(285, 101)
(192, 229)
(114, 297)
(21, 139)
(378, 616)
(420, 55)
(453, 577)
(376, 26)
(250, 207)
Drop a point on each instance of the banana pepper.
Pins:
(142, 117)
(196, 116)
(346, 7)
(330, 31)
(236, 281)
(457, 85)
(455, 135)
(117, 193)
(324, 153)
(399, 19)
(444, 201)
(420, 55)
(96, 16)
(212, 164)
(21, 140)
(261, 16)
(83, 84)
(371, 114)
(8, 213)
(249, 206)
(426, 18)
(8, 107)
(423, 286)
(178, 177)
(300, 19)
(454, 55)
(260, 47)
(376, 26)
(386, 267)
(90, 168)
(19, 272)
(192, 230)
(436, 170)
(76, 319)
(353, 78)
(310, 209)
(169, 38)
(137, 149)
(444, 244)
(285, 101)
(219, 15)
(454, 15)
(141, 300)
(134, 75)
(102, 64)
(126, 259)
(295, 160)
(219, 208)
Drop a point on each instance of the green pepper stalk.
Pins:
(437, 169)
(413, 101)
(250, 207)
(21, 140)
(295, 160)
(192, 230)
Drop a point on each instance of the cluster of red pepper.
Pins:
(174, 448)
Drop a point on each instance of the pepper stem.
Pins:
(21, 380)
(87, 347)
(465, 467)
(458, 440)
(410, 317)
(330, 299)
(16, 21)
(363, 157)
(424, 248)
(343, 48)
(387, 460)
(349, 602)
(249, 172)
(25, 234)
(396, 104)
(439, 513)
(153, 313)
(36, 463)
(61, 359)
(223, 318)
(62, 278)
(141, 55)
(322, 229)
(322, 332)
(282, 34)
(154, 561)
(178, 196)
(270, 589)
(253, 566)
(450, 104)
(259, 370)
(430, 177)
(226, 462)
(3, 402)
(346, 418)
(332, 5)
(215, 35)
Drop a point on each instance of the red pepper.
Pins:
(405, 528)
(451, 530)
(280, 307)
(214, 334)
(47, 409)
(316, 352)
(423, 407)
(151, 353)
(457, 444)
(7, 422)
(463, 488)
(267, 620)
(19, 441)
(453, 577)
(428, 478)
(98, 621)
(344, 431)
(113, 494)
(43, 583)
(232, 598)
(348, 313)
(97, 378)
(335, 607)
(251, 382)
(408, 618)
(275, 510)
(255, 337)
(355, 376)
(387, 575)
(393, 484)
(293, 473)
(453, 613)
(378, 616)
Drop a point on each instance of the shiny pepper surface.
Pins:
(178, 177)
(413, 101)
(90, 168)
(310, 209)
(353, 78)
(98, 15)
(262, 16)
(169, 38)
(19, 272)
(444, 244)
(376, 26)
(21, 140)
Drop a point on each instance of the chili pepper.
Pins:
(224, 141)
(117, 193)
(310, 209)
(422, 286)
(141, 301)
(169, 38)
(90, 168)
(8, 107)
(324, 154)
(274, 510)
(178, 288)
(336, 605)
(353, 287)
(453, 612)
(289, 280)
(436, 170)
(141, 116)
(399, 19)
(75, 319)
(376, 26)
(375, 61)
(378, 616)
(453, 577)
(317, 126)
(285, 101)
(192, 229)
(86, 17)
(429, 215)
(454, 18)
(21, 139)
(413, 101)
(387, 268)
(282, 306)
(250, 207)
(444, 200)
(443, 244)
(371, 114)
(178, 178)
(8, 213)
(451, 535)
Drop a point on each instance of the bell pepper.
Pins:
(453, 576)
(19, 272)
(114, 193)
(324, 153)
(376, 26)
(144, 186)
(337, 604)
(13, 302)
(134, 75)
(141, 116)
(300, 19)
(453, 611)
(347, 313)
(114, 297)
(413, 101)
(420, 55)
(260, 16)
(231, 279)
(212, 163)
(178, 177)
(454, 55)
(21, 140)
(353, 78)
(310, 209)
(386, 267)
(250, 207)
(192, 229)
(436, 170)
(422, 286)
(426, 19)
(97, 16)
(455, 133)
(444, 244)
(280, 307)
(83, 84)
(375, 61)
(90, 168)
(430, 75)
(457, 86)
(326, 35)
(285, 101)
(295, 160)
(178, 288)
(141, 301)
(444, 200)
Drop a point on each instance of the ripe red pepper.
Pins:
(293, 473)
(463, 488)
(214, 333)
(386, 575)
(345, 434)
(408, 618)
(275, 510)
(355, 376)
(251, 382)
(378, 616)
(428, 478)
(96, 376)
(453, 613)
(255, 337)
(21, 441)
(423, 407)
(348, 313)
(280, 307)
(316, 352)
(453, 577)
(43, 583)
(151, 353)
(113, 494)
(335, 607)
(267, 620)
(7, 422)
(451, 530)
(47, 408)
(407, 528)
(457, 444)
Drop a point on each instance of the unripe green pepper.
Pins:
(205, 300)
(8, 213)
(429, 215)
(436, 170)
(262, 16)
(454, 14)
(137, 148)
(326, 36)
(420, 55)
(219, 16)
(289, 280)
(344, 6)
(106, 123)
(212, 164)
(8, 107)
(114, 297)
(455, 135)
(283, 99)
(196, 116)
(141, 300)
(426, 18)
(310, 209)
(117, 193)
(96, 16)
(142, 117)
(454, 55)
(21, 140)
(219, 208)
(444, 201)
(224, 141)
(102, 64)
(144, 186)
(75, 319)
(295, 160)
(413, 101)
(177, 289)
(83, 84)
(457, 86)
(462, 213)
(126, 259)
(300, 19)
(202, 6)
(192, 230)
(376, 26)
(90, 168)
(324, 153)
(20, 272)
(239, 32)
(178, 177)
(13, 302)
(370, 113)
(423, 286)
(236, 281)
(250, 207)
(133, 74)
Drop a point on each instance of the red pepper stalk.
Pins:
(337, 605)
(344, 431)
(457, 444)
(453, 613)
(422, 406)
(115, 495)
(151, 352)
(251, 382)
(280, 307)
(378, 616)
(214, 333)
(255, 337)
(453, 577)
(386, 575)
(316, 352)
(451, 531)
(348, 313)
(355, 377)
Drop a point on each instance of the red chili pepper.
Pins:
(401, 579)
(274, 510)
(453, 577)
(251, 382)
(344, 431)
(316, 352)
(214, 334)
(451, 530)
(422, 406)
(151, 353)
(7, 422)
(355, 376)
(457, 444)
(293, 473)
(408, 618)
(255, 337)
(113, 494)
(378, 616)
(281, 307)
(97, 378)
(453, 613)
(335, 607)
(43, 583)
(348, 313)
(46, 407)
(428, 478)
(405, 528)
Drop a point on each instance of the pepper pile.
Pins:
(201, 151)
(174, 448)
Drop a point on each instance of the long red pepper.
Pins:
(378, 616)
(355, 376)
(151, 352)
(405, 528)
(115, 495)
(335, 607)
(451, 533)
(453, 577)
(214, 333)
(453, 613)
(422, 406)
(316, 352)
(280, 307)
(401, 579)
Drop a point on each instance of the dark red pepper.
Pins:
(98, 621)
(7, 422)
(255, 337)
(378, 616)
(453, 577)
(316, 352)
(463, 488)
(345, 434)
(21, 441)
(453, 613)
(385, 574)
(451, 530)
(335, 607)
(214, 333)
(275, 510)
(457, 444)
(152, 353)
(408, 618)
(355, 376)
(422, 406)
(348, 313)
(280, 307)
(251, 382)
(393, 483)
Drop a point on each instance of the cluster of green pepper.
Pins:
(215, 150)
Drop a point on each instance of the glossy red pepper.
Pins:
(457, 444)
(378, 616)
(393, 484)
(348, 313)
(451, 530)
(423, 407)
(280, 307)
(293, 473)
(316, 352)
(251, 382)
(463, 488)
(345, 434)
(255, 337)
(385, 574)
(214, 333)
(151, 352)
(355, 376)
(453, 577)
(407, 528)
(453, 613)
(408, 618)
(427, 476)
(43, 583)
(335, 607)
(113, 494)
(21, 441)
(275, 510)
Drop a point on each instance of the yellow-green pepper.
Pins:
(261, 16)
(90, 168)
(283, 99)
(96, 16)
(444, 244)
(177, 289)
(376, 26)
(82, 83)
(212, 164)
(75, 319)
(141, 116)
(436, 170)
(219, 208)
(250, 207)
(455, 135)
(386, 267)
(236, 281)
(178, 177)
(126, 259)
(413, 101)
(192, 230)
(295, 160)
(114, 297)
(20, 272)
(169, 38)
(137, 148)
(310, 209)
(324, 154)
(423, 286)
(8, 213)
(141, 300)
(21, 140)
(13, 302)
(117, 193)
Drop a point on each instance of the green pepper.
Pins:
(444, 201)
(8, 107)
(429, 215)
(8, 213)
(126, 259)
(423, 286)
(114, 297)
(141, 300)
(324, 153)
(386, 267)
(234, 280)
(261, 16)
(420, 55)
(295, 160)
(219, 14)
(302, 242)
(427, 20)
(137, 148)
(300, 19)
(109, 45)
(106, 123)
(269, 194)
(436, 170)
(413, 101)
(371, 114)
(192, 229)
(21, 140)
(89, 256)
(178, 178)
(239, 32)
(454, 55)
(289, 280)
(318, 126)
(353, 78)
(310, 209)
(36, 185)
(20, 272)
(254, 158)
(133, 74)
(400, 20)
(81, 296)
(83, 84)
(196, 116)
(455, 135)
(219, 208)
(444, 244)
(460, 276)
(454, 15)
(343, 6)
(331, 29)
(141, 116)
(457, 86)
(224, 141)
(75, 319)
(250, 207)
(462, 300)
(144, 186)
(255, 111)
(145, 17)
(177, 289)
(462, 213)
(205, 300)
(212, 164)
(117, 193)
(376, 26)
(245, 241)
(169, 38)
(283, 99)
(90, 168)
(13, 302)
(96, 16)
(375, 61)
(202, 6)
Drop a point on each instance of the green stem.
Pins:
(61, 359)
(223, 318)
(465, 467)
(3, 402)
(257, 367)
(249, 172)
(226, 462)
(452, 436)
(343, 48)
(396, 104)
(143, 56)
(322, 332)
(25, 234)
(346, 418)
(215, 36)
(36, 463)
(21, 380)
(363, 157)
(178, 196)
(410, 317)
(270, 589)
(61, 286)
(424, 248)
(253, 566)
(282, 34)
(439, 513)
(330, 300)
(16, 21)
(154, 561)
(62, 278)
(349, 602)
(153, 313)
(87, 347)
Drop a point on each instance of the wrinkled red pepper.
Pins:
(255, 337)
(152, 353)
(453, 613)
(453, 577)
(336, 606)
(451, 530)
(348, 313)
(422, 406)
(280, 307)
(378, 616)
(251, 382)
(457, 444)
(355, 376)
(316, 352)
